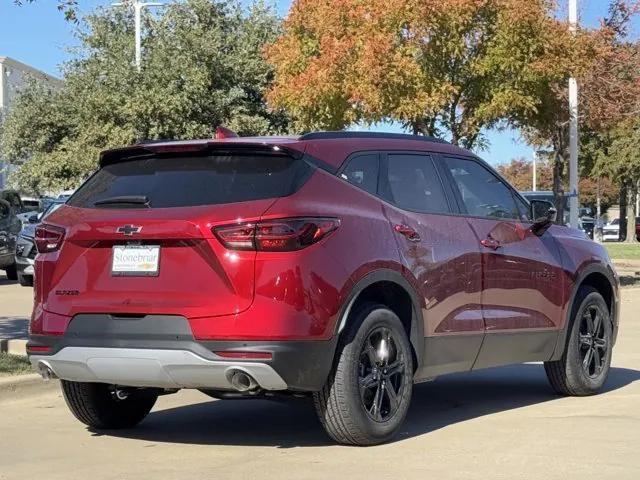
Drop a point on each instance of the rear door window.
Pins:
(412, 183)
(170, 181)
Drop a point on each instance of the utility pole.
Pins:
(573, 128)
(137, 11)
(535, 171)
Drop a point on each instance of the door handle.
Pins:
(408, 232)
(491, 243)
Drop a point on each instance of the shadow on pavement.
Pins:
(5, 281)
(13, 327)
(293, 423)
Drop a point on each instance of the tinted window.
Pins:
(362, 171)
(194, 180)
(483, 194)
(413, 184)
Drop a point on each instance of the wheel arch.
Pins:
(602, 278)
(391, 289)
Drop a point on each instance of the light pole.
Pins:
(137, 11)
(573, 128)
(535, 171)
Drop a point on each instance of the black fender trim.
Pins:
(416, 336)
(602, 269)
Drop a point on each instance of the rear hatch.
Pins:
(138, 234)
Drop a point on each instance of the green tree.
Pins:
(202, 67)
(621, 160)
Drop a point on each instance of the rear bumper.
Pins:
(160, 351)
(152, 368)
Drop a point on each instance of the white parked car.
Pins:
(611, 231)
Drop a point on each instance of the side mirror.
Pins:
(544, 214)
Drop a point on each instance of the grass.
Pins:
(14, 365)
(623, 251)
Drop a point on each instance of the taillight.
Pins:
(48, 238)
(280, 235)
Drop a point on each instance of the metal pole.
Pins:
(137, 7)
(535, 171)
(573, 128)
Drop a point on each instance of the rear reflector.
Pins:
(245, 355)
(48, 238)
(280, 235)
(38, 348)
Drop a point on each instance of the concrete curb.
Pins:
(13, 346)
(19, 385)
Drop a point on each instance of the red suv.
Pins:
(344, 266)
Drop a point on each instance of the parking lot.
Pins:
(498, 423)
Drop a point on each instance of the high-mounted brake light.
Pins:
(280, 235)
(48, 238)
(222, 132)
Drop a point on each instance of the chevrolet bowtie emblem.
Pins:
(129, 230)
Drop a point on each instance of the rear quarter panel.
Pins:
(299, 295)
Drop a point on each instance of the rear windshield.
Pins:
(192, 180)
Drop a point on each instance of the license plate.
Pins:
(135, 260)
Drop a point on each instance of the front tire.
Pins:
(25, 280)
(368, 392)
(100, 406)
(585, 363)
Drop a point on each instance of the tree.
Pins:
(436, 65)
(607, 71)
(519, 172)
(202, 67)
(68, 7)
(622, 161)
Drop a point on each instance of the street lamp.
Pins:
(137, 10)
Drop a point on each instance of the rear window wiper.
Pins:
(124, 200)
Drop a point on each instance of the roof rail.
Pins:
(390, 136)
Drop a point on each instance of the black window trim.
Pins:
(462, 210)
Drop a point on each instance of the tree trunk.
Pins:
(631, 214)
(622, 228)
(558, 189)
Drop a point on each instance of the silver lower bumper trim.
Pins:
(152, 368)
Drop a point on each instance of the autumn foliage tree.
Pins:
(441, 67)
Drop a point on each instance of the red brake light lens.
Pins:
(280, 235)
(48, 238)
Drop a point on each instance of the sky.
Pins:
(38, 35)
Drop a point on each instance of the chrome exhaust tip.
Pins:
(242, 381)
(46, 371)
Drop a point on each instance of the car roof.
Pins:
(331, 148)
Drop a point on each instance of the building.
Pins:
(13, 75)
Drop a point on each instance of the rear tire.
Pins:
(12, 272)
(368, 392)
(585, 363)
(97, 406)
(25, 280)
